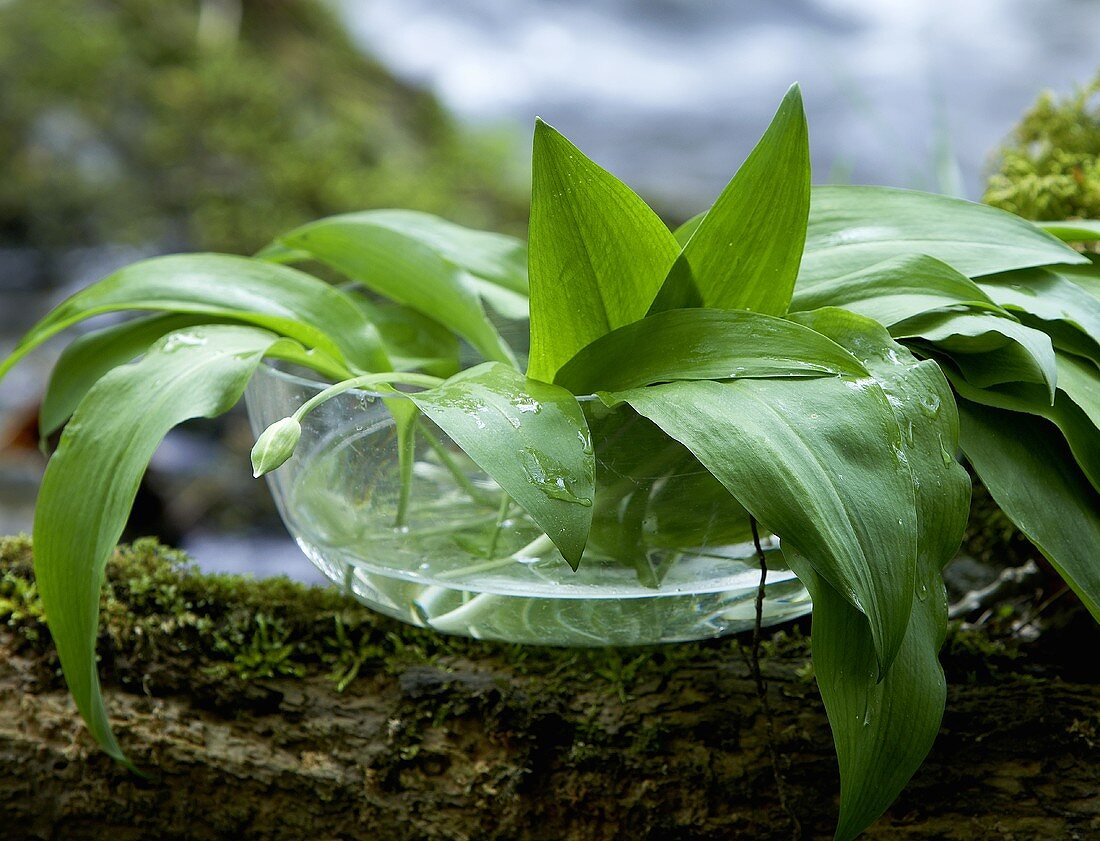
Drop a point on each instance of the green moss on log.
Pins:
(157, 609)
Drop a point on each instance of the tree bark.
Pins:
(226, 694)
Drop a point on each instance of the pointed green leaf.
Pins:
(497, 258)
(819, 463)
(920, 397)
(531, 437)
(411, 267)
(1085, 275)
(412, 340)
(1080, 382)
(685, 232)
(92, 355)
(1055, 301)
(883, 731)
(745, 251)
(894, 290)
(988, 347)
(270, 296)
(91, 481)
(1032, 476)
(852, 228)
(703, 344)
(1075, 411)
(598, 254)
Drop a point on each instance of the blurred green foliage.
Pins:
(1050, 167)
(214, 124)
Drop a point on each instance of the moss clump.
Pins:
(1050, 166)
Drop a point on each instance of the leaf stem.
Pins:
(406, 452)
(502, 515)
(448, 461)
(762, 687)
(364, 381)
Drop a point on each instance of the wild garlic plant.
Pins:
(813, 350)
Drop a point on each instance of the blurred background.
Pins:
(135, 127)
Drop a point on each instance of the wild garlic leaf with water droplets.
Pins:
(91, 480)
(700, 344)
(598, 254)
(531, 437)
(883, 730)
(818, 462)
(744, 252)
(92, 355)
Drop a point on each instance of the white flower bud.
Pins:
(275, 445)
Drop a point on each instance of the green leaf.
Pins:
(598, 254)
(413, 341)
(894, 290)
(989, 348)
(514, 306)
(920, 397)
(91, 481)
(1086, 275)
(498, 258)
(819, 463)
(1073, 230)
(883, 730)
(531, 437)
(852, 228)
(1032, 476)
(408, 267)
(1080, 382)
(276, 298)
(1053, 298)
(1075, 411)
(745, 251)
(685, 232)
(701, 344)
(92, 355)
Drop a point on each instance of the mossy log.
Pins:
(268, 710)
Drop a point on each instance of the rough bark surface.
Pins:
(244, 734)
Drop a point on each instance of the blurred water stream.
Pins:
(670, 93)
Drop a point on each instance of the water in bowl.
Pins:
(466, 560)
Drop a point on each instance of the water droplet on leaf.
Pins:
(550, 477)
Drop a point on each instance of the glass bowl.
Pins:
(669, 558)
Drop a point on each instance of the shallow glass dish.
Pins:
(669, 558)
